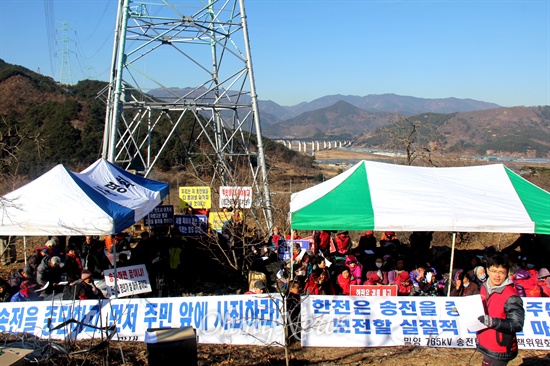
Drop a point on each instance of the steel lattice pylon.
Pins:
(205, 46)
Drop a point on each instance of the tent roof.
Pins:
(102, 200)
(379, 196)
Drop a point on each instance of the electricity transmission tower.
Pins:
(66, 76)
(213, 114)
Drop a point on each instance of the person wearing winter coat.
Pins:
(73, 263)
(355, 269)
(344, 281)
(504, 314)
(35, 258)
(404, 283)
(25, 293)
(462, 286)
(367, 241)
(479, 276)
(17, 278)
(398, 268)
(543, 277)
(87, 289)
(321, 242)
(5, 291)
(49, 273)
(374, 280)
(319, 282)
(380, 270)
(423, 281)
(525, 284)
(343, 242)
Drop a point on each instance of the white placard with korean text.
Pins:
(327, 321)
(130, 280)
(236, 197)
(232, 319)
(354, 321)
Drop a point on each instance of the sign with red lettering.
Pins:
(236, 197)
(373, 290)
(130, 280)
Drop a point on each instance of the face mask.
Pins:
(466, 284)
(483, 277)
(379, 265)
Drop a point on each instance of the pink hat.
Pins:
(85, 274)
(369, 232)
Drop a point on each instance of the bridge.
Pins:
(315, 145)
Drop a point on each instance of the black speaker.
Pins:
(167, 344)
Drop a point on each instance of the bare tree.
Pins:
(415, 137)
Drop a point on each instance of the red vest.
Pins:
(492, 339)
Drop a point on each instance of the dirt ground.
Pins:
(137, 354)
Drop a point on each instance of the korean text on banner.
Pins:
(195, 197)
(231, 319)
(131, 280)
(217, 219)
(236, 197)
(353, 321)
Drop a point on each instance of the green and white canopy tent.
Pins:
(379, 196)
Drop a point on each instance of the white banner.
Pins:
(354, 321)
(234, 319)
(130, 280)
(236, 197)
(327, 321)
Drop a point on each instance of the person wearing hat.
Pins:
(35, 258)
(25, 293)
(343, 242)
(389, 239)
(258, 288)
(49, 273)
(17, 277)
(86, 289)
(367, 241)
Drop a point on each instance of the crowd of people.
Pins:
(73, 267)
(331, 265)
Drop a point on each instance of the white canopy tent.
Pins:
(102, 200)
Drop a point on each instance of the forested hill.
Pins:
(45, 124)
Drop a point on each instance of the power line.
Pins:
(50, 33)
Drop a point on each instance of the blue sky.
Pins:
(493, 51)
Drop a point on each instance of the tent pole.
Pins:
(25, 249)
(290, 250)
(114, 264)
(451, 266)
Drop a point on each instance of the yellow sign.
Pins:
(195, 197)
(217, 219)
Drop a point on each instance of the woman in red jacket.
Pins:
(344, 281)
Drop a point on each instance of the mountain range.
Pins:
(272, 113)
(30, 100)
(460, 125)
